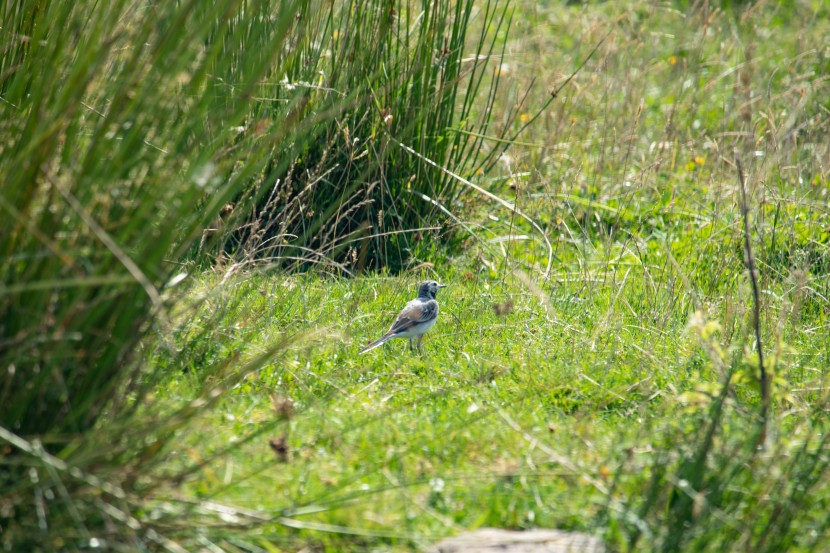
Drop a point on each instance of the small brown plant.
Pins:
(280, 448)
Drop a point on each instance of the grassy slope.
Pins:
(472, 432)
(530, 418)
(374, 421)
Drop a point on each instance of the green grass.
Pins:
(519, 420)
(617, 394)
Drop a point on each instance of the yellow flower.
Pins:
(524, 118)
(700, 160)
(672, 60)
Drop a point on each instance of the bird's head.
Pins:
(428, 289)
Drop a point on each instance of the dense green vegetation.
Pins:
(573, 178)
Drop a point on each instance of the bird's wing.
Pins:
(415, 312)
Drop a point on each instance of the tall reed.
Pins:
(125, 128)
(423, 75)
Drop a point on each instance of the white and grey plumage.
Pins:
(415, 319)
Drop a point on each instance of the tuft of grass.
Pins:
(422, 76)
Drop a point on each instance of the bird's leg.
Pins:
(420, 347)
(410, 345)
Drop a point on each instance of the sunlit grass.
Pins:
(519, 419)
(586, 404)
(616, 394)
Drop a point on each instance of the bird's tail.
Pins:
(377, 343)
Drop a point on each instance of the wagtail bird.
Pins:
(415, 319)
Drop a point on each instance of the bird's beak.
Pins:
(442, 286)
